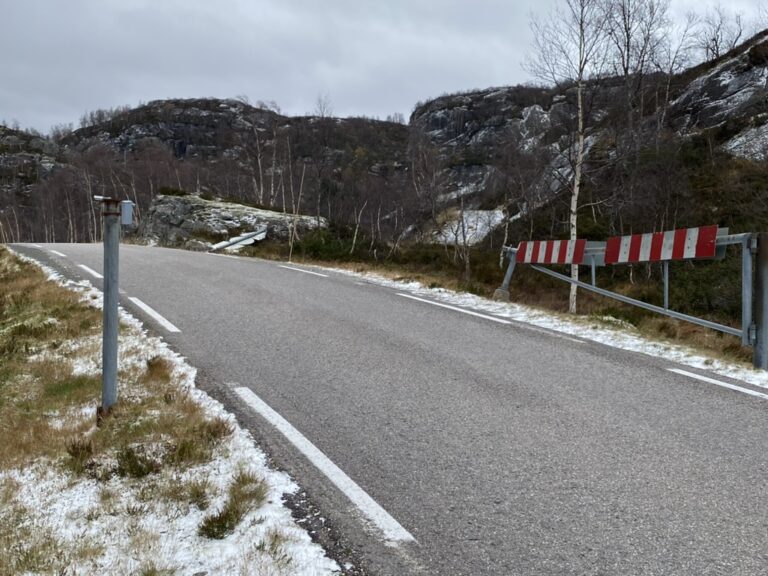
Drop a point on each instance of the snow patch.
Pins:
(752, 143)
(475, 226)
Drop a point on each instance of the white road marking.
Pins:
(391, 528)
(36, 245)
(57, 253)
(228, 256)
(91, 271)
(550, 333)
(719, 383)
(305, 271)
(160, 320)
(456, 309)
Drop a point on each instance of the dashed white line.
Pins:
(391, 528)
(305, 271)
(57, 253)
(156, 315)
(91, 271)
(36, 245)
(456, 309)
(719, 383)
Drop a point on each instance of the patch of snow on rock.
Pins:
(752, 143)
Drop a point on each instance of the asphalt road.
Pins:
(501, 449)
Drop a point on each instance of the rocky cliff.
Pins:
(468, 153)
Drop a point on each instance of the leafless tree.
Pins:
(636, 30)
(570, 47)
(672, 57)
(719, 31)
(323, 106)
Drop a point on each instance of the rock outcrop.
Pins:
(195, 222)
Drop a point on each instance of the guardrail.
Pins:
(663, 247)
(242, 240)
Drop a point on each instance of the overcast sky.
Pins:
(60, 58)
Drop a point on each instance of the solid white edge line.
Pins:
(391, 528)
(305, 271)
(160, 320)
(719, 383)
(57, 253)
(548, 332)
(91, 271)
(456, 309)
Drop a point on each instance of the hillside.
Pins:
(689, 151)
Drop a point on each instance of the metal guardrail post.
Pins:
(748, 249)
(760, 358)
(502, 293)
(111, 217)
(665, 270)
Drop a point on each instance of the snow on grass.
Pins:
(122, 525)
(608, 331)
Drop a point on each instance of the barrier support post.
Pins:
(760, 358)
(111, 218)
(502, 293)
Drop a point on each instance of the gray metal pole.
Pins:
(502, 293)
(747, 284)
(594, 277)
(760, 358)
(665, 267)
(111, 214)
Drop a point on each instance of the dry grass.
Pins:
(47, 411)
(245, 493)
(194, 492)
(269, 557)
(25, 548)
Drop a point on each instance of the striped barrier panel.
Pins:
(683, 244)
(551, 252)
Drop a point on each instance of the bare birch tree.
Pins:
(635, 29)
(671, 58)
(719, 31)
(569, 48)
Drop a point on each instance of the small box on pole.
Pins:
(126, 213)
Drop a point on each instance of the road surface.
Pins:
(500, 449)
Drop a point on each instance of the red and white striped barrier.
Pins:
(551, 252)
(683, 244)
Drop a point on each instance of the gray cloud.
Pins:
(373, 58)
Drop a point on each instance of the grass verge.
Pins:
(143, 456)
